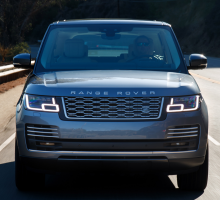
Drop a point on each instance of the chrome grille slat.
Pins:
(42, 128)
(30, 131)
(178, 129)
(182, 136)
(42, 136)
(182, 132)
(113, 107)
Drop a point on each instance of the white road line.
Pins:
(7, 141)
(213, 140)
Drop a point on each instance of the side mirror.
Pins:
(197, 61)
(23, 60)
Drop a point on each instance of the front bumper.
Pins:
(109, 131)
(147, 165)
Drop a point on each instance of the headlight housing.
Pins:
(41, 103)
(182, 104)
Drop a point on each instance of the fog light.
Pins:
(47, 143)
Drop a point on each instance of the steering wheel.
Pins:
(143, 57)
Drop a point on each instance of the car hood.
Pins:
(112, 83)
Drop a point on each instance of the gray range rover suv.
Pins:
(111, 95)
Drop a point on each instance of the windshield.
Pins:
(106, 47)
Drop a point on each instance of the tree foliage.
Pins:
(4, 51)
(15, 18)
(20, 48)
(196, 22)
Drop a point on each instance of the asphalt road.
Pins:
(124, 186)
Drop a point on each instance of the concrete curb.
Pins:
(6, 68)
(10, 73)
(13, 74)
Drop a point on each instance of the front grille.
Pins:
(184, 138)
(113, 107)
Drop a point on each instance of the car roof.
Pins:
(110, 21)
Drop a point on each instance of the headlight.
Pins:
(181, 104)
(41, 103)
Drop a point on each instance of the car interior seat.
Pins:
(74, 51)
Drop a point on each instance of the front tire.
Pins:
(25, 179)
(197, 180)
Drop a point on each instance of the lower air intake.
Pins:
(42, 137)
(184, 138)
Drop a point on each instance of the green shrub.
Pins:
(20, 48)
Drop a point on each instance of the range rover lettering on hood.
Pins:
(112, 83)
(116, 93)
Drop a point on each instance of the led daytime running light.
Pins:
(171, 105)
(43, 106)
(175, 105)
